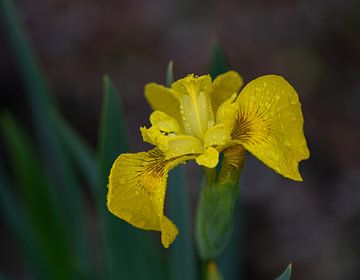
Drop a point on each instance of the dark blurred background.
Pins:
(314, 44)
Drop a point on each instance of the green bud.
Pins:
(218, 198)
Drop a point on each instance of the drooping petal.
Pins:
(195, 105)
(224, 86)
(137, 187)
(269, 124)
(162, 99)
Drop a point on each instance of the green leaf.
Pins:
(81, 154)
(230, 261)
(113, 136)
(41, 205)
(286, 275)
(55, 160)
(219, 63)
(182, 261)
(129, 252)
(14, 217)
(169, 74)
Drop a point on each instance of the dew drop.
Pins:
(287, 143)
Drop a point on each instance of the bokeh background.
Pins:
(314, 44)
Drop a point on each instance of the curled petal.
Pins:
(162, 99)
(216, 136)
(227, 110)
(269, 124)
(164, 122)
(137, 187)
(172, 145)
(209, 158)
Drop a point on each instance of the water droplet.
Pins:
(287, 142)
(136, 192)
(277, 97)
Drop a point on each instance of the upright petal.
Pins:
(224, 86)
(195, 105)
(137, 187)
(269, 124)
(162, 99)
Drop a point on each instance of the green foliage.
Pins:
(37, 197)
(47, 215)
(44, 206)
(218, 63)
(286, 275)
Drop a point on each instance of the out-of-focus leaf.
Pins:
(55, 159)
(42, 209)
(231, 260)
(182, 261)
(80, 152)
(3, 277)
(129, 252)
(113, 136)
(169, 79)
(14, 216)
(219, 63)
(286, 275)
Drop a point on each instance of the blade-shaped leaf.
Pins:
(231, 260)
(218, 63)
(129, 253)
(42, 209)
(56, 161)
(169, 79)
(14, 217)
(286, 275)
(182, 261)
(80, 152)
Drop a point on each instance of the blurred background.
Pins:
(314, 44)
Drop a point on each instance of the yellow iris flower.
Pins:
(198, 118)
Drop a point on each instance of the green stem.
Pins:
(210, 271)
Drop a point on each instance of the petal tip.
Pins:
(169, 231)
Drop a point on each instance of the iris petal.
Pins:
(137, 187)
(269, 124)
